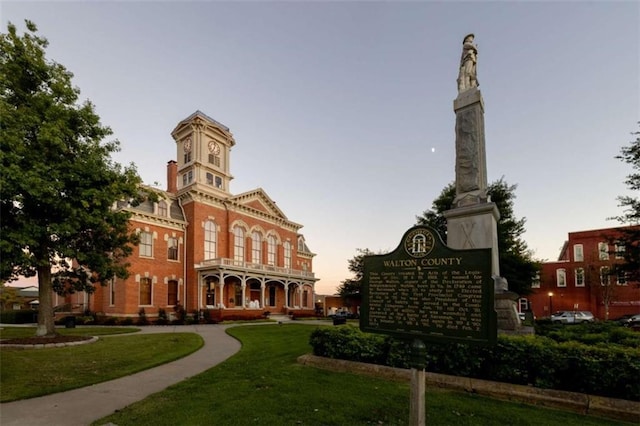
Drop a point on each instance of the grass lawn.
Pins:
(263, 385)
(27, 373)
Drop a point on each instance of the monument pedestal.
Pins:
(472, 227)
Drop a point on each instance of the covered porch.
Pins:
(251, 290)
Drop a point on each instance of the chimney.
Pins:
(172, 177)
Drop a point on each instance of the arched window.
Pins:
(287, 254)
(238, 244)
(256, 247)
(271, 250)
(210, 238)
(162, 208)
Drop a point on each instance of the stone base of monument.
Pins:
(507, 313)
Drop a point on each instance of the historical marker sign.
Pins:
(428, 291)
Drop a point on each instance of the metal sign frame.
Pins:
(426, 290)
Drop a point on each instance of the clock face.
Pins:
(187, 144)
(214, 148)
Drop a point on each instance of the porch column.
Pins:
(286, 295)
(243, 284)
(221, 291)
(262, 287)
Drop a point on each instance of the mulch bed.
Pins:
(43, 340)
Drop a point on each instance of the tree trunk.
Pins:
(46, 325)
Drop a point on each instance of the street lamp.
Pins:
(550, 303)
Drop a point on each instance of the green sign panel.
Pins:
(426, 290)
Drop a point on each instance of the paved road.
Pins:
(82, 406)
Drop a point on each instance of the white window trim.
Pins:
(561, 272)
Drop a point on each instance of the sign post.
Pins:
(417, 409)
(426, 291)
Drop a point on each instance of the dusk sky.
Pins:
(343, 111)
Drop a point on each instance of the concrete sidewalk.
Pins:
(84, 405)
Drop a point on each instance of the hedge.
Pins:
(611, 371)
(25, 316)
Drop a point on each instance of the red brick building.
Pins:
(582, 278)
(207, 249)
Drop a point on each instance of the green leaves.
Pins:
(516, 263)
(59, 183)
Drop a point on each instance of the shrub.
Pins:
(110, 321)
(142, 317)
(610, 371)
(162, 317)
(24, 316)
(127, 321)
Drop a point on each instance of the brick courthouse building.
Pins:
(206, 249)
(582, 278)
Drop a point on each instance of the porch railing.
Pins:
(249, 266)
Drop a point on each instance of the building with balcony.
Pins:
(204, 248)
(584, 278)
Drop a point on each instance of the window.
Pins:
(145, 291)
(237, 290)
(162, 208)
(301, 244)
(535, 283)
(187, 178)
(561, 278)
(256, 247)
(238, 244)
(209, 179)
(112, 292)
(218, 182)
(172, 293)
(523, 304)
(603, 251)
(187, 157)
(578, 253)
(604, 276)
(172, 248)
(146, 244)
(271, 250)
(305, 296)
(209, 240)
(620, 250)
(214, 159)
(621, 278)
(287, 254)
(579, 277)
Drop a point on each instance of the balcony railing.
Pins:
(256, 267)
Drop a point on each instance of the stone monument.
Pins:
(472, 220)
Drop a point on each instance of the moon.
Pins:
(433, 150)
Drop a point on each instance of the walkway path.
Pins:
(84, 405)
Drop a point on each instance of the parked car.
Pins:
(623, 320)
(634, 321)
(344, 314)
(572, 317)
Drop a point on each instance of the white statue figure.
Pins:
(467, 78)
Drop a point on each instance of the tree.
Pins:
(515, 260)
(58, 182)
(350, 288)
(630, 236)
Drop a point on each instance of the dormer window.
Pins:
(162, 208)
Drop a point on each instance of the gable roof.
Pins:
(258, 200)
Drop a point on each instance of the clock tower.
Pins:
(203, 149)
